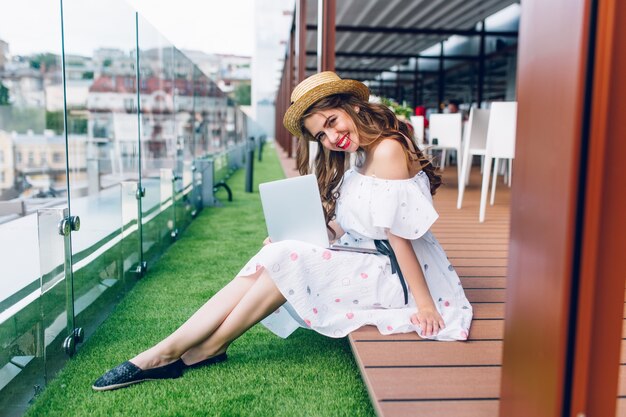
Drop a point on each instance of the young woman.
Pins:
(384, 201)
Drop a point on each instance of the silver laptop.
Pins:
(293, 211)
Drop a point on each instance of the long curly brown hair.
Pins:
(374, 122)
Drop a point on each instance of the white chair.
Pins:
(474, 143)
(445, 133)
(418, 130)
(500, 145)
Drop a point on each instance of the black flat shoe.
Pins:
(128, 373)
(210, 361)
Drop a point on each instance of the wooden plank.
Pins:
(481, 271)
(488, 311)
(468, 222)
(435, 383)
(429, 353)
(479, 282)
(480, 330)
(622, 359)
(479, 231)
(473, 237)
(621, 388)
(486, 295)
(477, 246)
(459, 262)
(621, 407)
(454, 408)
(477, 253)
(484, 231)
(469, 241)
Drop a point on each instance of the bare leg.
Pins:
(260, 301)
(199, 326)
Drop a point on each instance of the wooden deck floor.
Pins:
(409, 376)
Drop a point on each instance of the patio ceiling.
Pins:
(379, 34)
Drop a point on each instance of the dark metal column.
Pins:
(415, 77)
(421, 91)
(326, 35)
(481, 66)
(289, 68)
(399, 95)
(442, 81)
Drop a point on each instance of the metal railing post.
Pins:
(250, 165)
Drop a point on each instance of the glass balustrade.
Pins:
(103, 127)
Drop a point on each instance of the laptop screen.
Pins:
(293, 210)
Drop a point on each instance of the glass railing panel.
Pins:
(184, 104)
(185, 121)
(201, 108)
(22, 371)
(56, 309)
(168, 230)
(231, 116)
(218, 103)
(101, 100)
(184, 116)
(130, 250)
(185, 197)
(155, 221)
(159, 145)
(32, 174)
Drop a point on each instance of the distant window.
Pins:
(56, 157)
(1, 176)
(18, 156)
(31, 158)
(1, 156)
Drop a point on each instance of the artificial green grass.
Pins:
(304, 375)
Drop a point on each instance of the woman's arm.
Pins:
(427, 315)
(337, 229)
(388, 161)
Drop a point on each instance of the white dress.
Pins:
(336, 292)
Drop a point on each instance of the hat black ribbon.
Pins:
(384, 248)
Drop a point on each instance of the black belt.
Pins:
(384, 248)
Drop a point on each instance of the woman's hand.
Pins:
(429, 320)
(267, 241)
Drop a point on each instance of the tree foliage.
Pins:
(4, 95)
(47, 59)
(243, 93)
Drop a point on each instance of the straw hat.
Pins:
(314, 88)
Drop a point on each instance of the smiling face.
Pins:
(334, 129)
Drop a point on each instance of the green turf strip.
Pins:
(304, 375)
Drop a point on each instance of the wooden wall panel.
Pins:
(551, 85)
(600, 302)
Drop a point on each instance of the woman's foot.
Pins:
(128, 373)
(209, 361)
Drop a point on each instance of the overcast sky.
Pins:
(30, 26)
(224, 26)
